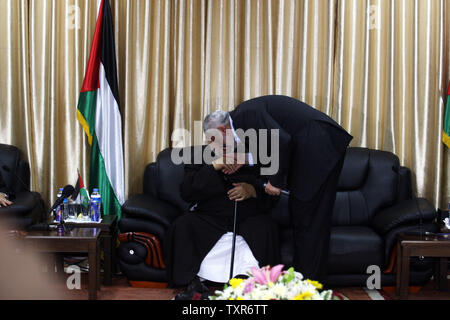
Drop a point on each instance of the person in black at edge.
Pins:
(311, 152)
(196, 235)
(6, 195)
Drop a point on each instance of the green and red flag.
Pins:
(446, 132)
(99, 114)
(81, 195)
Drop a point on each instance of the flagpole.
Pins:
(99, 3)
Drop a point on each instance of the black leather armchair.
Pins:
(28, 206)
(373, 204)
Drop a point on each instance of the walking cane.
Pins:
(233, 248)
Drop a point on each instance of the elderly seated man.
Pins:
(198, 245)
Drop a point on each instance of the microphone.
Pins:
(285, 192)
(67, 192)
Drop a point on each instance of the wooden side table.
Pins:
(108, 228)
(84, 240)
(416, 246)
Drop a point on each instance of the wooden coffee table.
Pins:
(417, 246)
(77, 240)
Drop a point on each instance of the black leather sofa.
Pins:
(27, 208)
(374, 203)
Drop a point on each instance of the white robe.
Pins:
(217, 263)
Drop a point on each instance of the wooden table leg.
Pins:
(98, 267)
(399, 268)
(404, 277)
(59, 263)
(107, 244)
(93, 266)
(442, 275)
(114, 251)
(437, 272)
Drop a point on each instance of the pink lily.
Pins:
(260, 275)
(275, 272)
(266, 274)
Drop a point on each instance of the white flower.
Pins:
(280, 290)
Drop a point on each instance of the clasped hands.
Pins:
(230, 163)
(242, 191)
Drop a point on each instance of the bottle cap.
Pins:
(61, 189)
(66, 200)
(95, 190)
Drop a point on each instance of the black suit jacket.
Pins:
(309, 140)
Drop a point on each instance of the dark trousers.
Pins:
(312, 227)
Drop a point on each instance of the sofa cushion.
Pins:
(350, 209)
(381, 187)
(353, 249)
(170, 177)
(368, 183)
(354, 171)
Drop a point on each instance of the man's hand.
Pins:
(272, 191)
(229, 169)
(4, 202)
(221, 163)
(241, 192)
(234, 162)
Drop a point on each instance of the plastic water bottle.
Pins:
(58, 212)
(65, 209)
(96, 206)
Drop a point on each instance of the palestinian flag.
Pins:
(81, 195)
(446, 133)
(99, 114)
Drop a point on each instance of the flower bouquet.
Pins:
(273, 284)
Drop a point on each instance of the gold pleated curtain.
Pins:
(380, 68)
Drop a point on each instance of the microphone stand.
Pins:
(61, 227)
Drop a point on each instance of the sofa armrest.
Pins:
(406, 212)
(152, 245)
(390, 240)
(147, 207)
